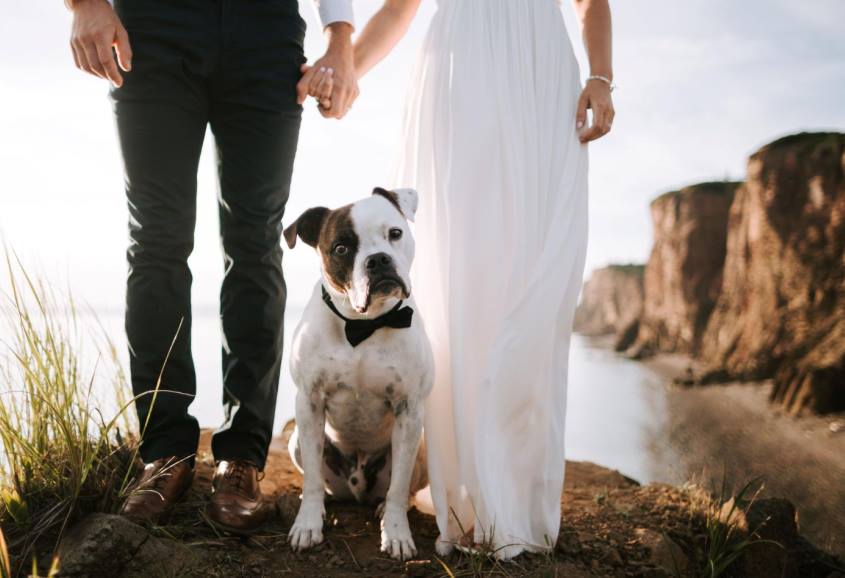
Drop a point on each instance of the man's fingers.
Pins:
(93, 58)
(325, 95)
(123, 49)
(106, 59)
(85, 58)
(75, 55)
(339, 99)
(342, 100)
(303, 84)
(581, 114)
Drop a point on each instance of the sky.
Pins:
(702, 84)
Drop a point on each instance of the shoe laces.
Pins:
(239, 473)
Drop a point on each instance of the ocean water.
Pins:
(616, 408)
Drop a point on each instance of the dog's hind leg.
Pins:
(339, 472)
(336, 467)
(377, 476)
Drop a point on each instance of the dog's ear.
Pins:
(405, 200)
(307, 227)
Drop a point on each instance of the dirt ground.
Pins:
(732, 431)
(612, 526)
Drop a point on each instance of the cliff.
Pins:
(612, 526)
(781, 309)
(684, 270)
(611, 303)
(750, 278)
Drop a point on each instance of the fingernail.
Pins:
(322, 69)
(579, 124)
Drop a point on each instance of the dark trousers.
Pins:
(231, 65)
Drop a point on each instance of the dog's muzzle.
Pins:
(382, 276)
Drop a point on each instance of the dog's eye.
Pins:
(395, 233)
(340, 249)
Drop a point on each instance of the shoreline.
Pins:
(798, 458)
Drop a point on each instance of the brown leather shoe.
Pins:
(162, 484)
(237, 505)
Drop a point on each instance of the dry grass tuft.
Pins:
(60, 457)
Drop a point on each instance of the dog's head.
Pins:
(366, 247)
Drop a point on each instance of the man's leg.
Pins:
(162, 114)
(255, 120)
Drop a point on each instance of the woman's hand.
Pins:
(595, 96)
(320, 85)
(332, 80)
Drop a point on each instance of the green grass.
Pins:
(60, 456)
(5, 566)
(726, 540)
(481, 560)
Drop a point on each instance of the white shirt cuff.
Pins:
(335, 11)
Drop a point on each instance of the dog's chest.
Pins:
(364, 390)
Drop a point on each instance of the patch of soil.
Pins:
(612, 526)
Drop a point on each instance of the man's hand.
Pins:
(96, 30)
(596, 95)
(332, 79)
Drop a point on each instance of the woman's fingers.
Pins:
(581, 114)
(324, 87)
(318, 80)
(602, 106)
(592, 133)
(602, 119)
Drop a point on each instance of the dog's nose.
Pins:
(377, 261)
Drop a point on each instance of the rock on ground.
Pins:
(110, 545)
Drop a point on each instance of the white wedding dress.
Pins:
(490, 143)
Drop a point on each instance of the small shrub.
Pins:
(60, 457)
(726, 541)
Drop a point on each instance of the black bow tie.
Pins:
(357, 330)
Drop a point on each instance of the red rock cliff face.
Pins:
(781, 308)
(611, 303)
(684, 271)
(611, 298)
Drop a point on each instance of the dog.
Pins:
(362, 366)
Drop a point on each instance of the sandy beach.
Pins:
(732, 430)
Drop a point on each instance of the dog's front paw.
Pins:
(396, 539)
(307, 529)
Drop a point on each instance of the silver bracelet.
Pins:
(604, 79)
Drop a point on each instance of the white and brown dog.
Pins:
(362, 366)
